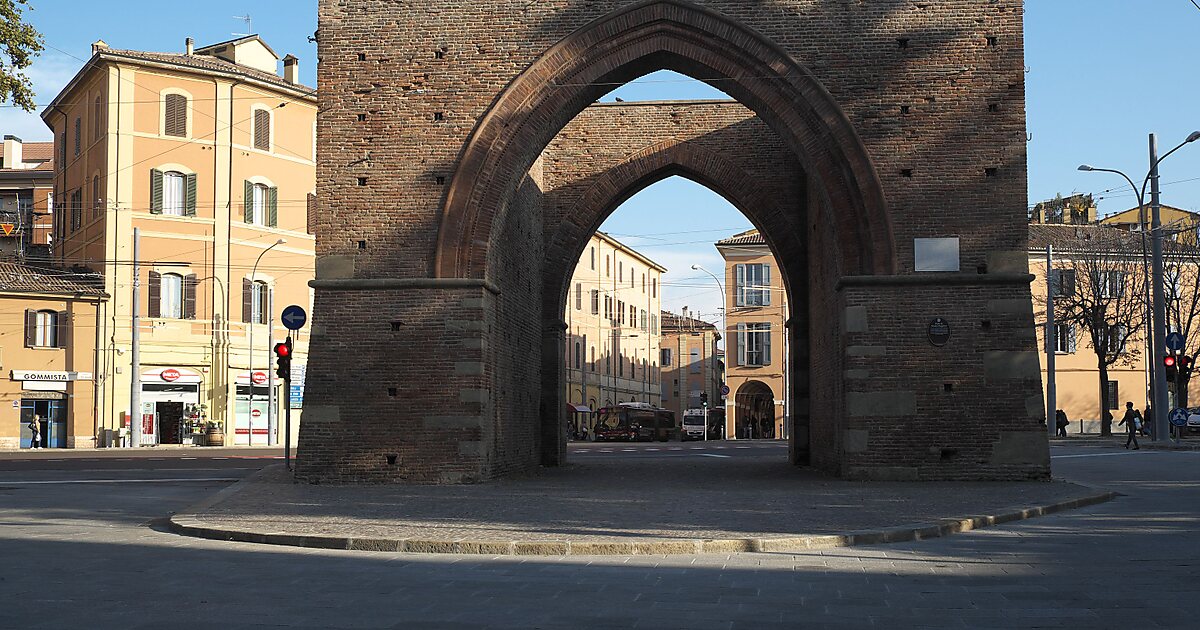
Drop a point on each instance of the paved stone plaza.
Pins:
(94, 555)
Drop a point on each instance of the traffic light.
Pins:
(1185, 366)
(283, 359)
(1170, 362)
(704, 399)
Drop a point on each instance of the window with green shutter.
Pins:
(156, 191)
(273, 206)
(175, 116)
(189, 202)
(248, 203)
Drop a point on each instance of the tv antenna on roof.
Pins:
(249, 25)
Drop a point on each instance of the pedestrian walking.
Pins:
(1131, 421)
(35, 432)
(1060, 423)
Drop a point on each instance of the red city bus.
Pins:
(635, 422)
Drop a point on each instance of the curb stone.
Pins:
(190, 523)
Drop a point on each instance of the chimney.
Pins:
(12, 153)
(189, 46)
(291, 69)
(98, 46)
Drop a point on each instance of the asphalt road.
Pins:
(82, 554)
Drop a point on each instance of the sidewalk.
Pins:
(162, 450)
(1117, 440)
(619, 506)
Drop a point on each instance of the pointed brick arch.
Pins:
(648, 36)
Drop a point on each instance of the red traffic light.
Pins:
(282, 349)
(1169, 361)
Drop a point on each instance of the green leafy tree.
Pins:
(19, 44)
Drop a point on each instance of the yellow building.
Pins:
(210, 155)
(613, 330)
(1077, 373)
(1180, 225)
(692, 373)
(756, 348)
(48, 324)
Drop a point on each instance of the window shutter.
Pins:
(30, 328)
(741, 342)
(60, 329)
(248, 203)
(189, 296)
(766, 343)
(273, 206)
(189, 200)
(247, 289)
(740, 293)
(154, 304)
(766, 285)
(262, 130)
(156, 191)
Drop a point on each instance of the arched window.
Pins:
(262, 130)
(261, 206)
(578, 357)
(175, 115)
(172, 193)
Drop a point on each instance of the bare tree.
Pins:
(1098, 290)
(1182, 293)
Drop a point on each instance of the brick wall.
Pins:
(908, 121)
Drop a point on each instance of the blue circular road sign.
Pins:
(1175, 342)
(1179, 417)
(294, 317)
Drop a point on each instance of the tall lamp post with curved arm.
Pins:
(724, 331)
(261, 305)
(1156, 239)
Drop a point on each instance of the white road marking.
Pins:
(1116, 454)
(652, 449)
(70, 481)
(716, 455)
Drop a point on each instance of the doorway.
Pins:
(51, 418)
(170, 422)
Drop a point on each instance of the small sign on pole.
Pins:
(1175, 342)
(1179, 417)
(294, 317)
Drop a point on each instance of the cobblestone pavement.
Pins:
(78, 556)
(624, 493)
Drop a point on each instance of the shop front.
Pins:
(171, 408)
(43, 403)
(251, 410)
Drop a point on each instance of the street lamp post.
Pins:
(1156, 240)
(250, 325)
(724, 331)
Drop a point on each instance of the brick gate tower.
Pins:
(879, 147)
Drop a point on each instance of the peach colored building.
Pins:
(48, 324)
(612, 318)
(756, 339)
(210, 154)
(690, 365)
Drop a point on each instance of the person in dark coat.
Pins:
(1130, 420)
(1060, 423)
(35, 431)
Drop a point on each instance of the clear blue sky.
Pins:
(1102, 75)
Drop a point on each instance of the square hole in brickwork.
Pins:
(391, 459)
(393, 392)
(992, 40)
(439, 53)
(905, 109)
(441, 180)
(981, 269)
(948, 387)
(362, 56)
(993, 107)
(902, 42)
(986, 324)
(362, 181)
(949, 454)
(396, 325)
(908, 172)
(362, 244)
(439, 116)
(991, 172)
(362, 117)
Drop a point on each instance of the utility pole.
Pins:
(135, 376)
(1161, 429)
(1051, 346)
(271, 416)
